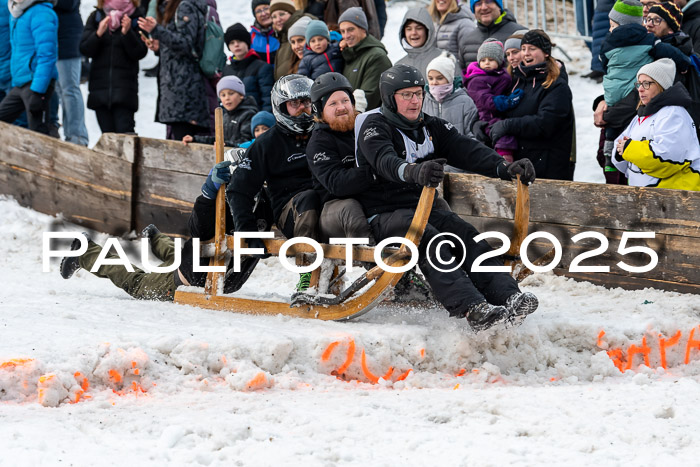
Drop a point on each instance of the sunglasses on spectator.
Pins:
(262, 9)
(644, 84)
(407, 96)
(653, 20)
(296, 103)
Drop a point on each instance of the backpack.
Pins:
(212, 59)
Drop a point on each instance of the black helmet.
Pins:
(288, 88)
(327, 84)
(396, 78)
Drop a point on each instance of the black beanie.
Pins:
(670, 13)
(256, 3)
(539, 39)
(237, 32)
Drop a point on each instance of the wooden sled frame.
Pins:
(355, 305)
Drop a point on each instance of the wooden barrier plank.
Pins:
(175, 156)
(67, 162)
(584, 204)
(678, 255)
(77, 204)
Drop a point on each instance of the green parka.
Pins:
(364, 64)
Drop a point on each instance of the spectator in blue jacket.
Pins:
(70, 30)
(263, 39)
(320, 55)
(34, 44)
(5, 76)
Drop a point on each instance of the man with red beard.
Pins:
(331, 157)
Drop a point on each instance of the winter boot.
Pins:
(520, 305)
(150, 231)
(304, 282)
(483, 315)
(411, 287)
(70, 264)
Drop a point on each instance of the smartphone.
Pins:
(145, 37)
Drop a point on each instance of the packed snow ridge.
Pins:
(84, 340)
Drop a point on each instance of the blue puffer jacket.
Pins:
(33, 37)
(624, 51)
(264, 42)
(5, 76)
(314, 65)
(601, 25)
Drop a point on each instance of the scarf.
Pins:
(411, 128)
(116, 9)
(441, 91)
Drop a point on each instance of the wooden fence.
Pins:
(127, 182)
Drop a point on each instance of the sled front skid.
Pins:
(352, 308)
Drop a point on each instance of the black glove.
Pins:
(258, 243)
(498, 131)
(479, 132)
(523, 167)
(428, 173)
(36, 102)
(219, 174)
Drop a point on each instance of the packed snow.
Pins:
(89, 375)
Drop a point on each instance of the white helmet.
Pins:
(288, 88)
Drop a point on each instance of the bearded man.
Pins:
(331, 157)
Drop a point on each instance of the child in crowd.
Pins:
(256, 74)
(444, 99)
(238, 112)
(627, 48)
(486, 81)
(261, 122)
(321, 55)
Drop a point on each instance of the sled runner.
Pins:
(353, 301)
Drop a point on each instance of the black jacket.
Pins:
(70, 28)
(236, 124)
(680, 40)
(257, 76)
(691, 24)
(202, 225)
(114, 74)
(543, 122)
(331, 158)
(381, 146)
(277, 158)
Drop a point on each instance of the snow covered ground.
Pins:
(89, 376)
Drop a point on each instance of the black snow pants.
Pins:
(459, 289)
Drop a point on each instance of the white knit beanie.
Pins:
(444, 64)
(663, 71)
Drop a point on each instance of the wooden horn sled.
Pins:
(351, 302)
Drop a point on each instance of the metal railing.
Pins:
(559, 18)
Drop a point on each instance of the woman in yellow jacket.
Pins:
(660, 147)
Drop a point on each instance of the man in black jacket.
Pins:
(278, 158)
(406, 150)
(161, 285)
(331, 158)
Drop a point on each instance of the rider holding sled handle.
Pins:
(278, 158)
(406, 150)
(161, 285)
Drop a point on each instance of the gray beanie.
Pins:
(356, 16)
(491, 48)
(626, 12)
(663, 71)
(299, 27)
(231, 82)
(513, 42)
(317, 28)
